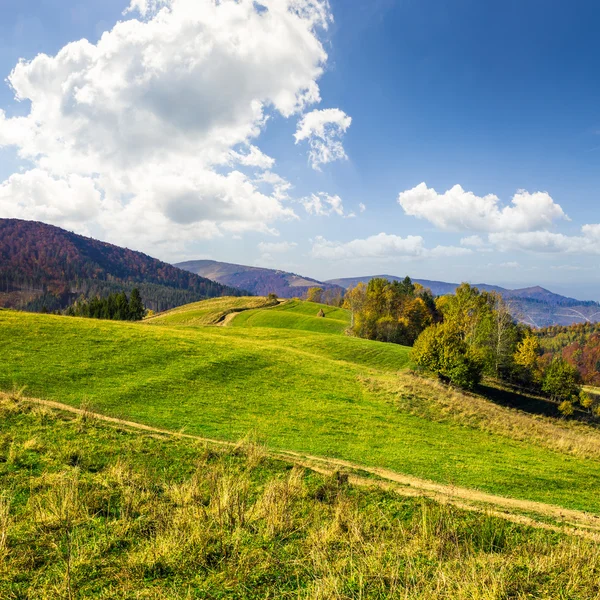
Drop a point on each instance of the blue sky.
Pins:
(492, 97)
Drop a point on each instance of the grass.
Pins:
(89, 510)
(297, 390)
(296, 314)
(206, 312)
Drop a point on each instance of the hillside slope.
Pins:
(257, 280)
(296, 314)
(316, 393)
(42, 266)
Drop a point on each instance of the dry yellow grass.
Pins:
(575, 522)
(234, 523)
(434, 400)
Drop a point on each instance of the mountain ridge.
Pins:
(260, 281)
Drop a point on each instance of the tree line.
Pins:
(117, 307)
(464, 337)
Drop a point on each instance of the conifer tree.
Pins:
(136, 306)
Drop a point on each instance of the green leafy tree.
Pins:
(562, 384)
(441, 349)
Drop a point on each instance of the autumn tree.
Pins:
(526, 357)
(390, 311)
(562, 384)
(314, 294)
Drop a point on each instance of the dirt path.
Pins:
(228, 318)
(565, 520)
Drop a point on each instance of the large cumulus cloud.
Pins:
(150, 131)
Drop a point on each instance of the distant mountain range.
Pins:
(439, 288)
(46, 267)
(256, 280)
(533, 305)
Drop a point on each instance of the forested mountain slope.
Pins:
(42, 266)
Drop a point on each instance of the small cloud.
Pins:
(323, 129)
(382, 245)
(473, 241)
(323, 204)
(276, 247)
(460, 210)
(362, 207)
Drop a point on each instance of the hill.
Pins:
(535, 305)
(257, 280)
(310, 392)
(42, 266)
(296, 314)
(257, 311)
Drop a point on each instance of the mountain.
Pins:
(535, 306)
(257, 280)
(46, 267)
(438, 288)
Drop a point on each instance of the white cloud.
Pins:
(147, 124)
(276, 247)
(362, 207)
(459, 210)
(509, 265)
(36, 195)
(253, 158)
(324, 129)
(323, 205)
(473, 241)
(381, 245)
(547, 242)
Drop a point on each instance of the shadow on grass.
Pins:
(522, 401)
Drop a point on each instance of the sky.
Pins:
(457, 141)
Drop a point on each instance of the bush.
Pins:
(440, 349)
(561, 381)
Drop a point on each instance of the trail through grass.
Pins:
(206, 312)
(295, 314)
(92, 510)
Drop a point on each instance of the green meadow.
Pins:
(296, 314)
(299, 388)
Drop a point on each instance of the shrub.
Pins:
(440, 349)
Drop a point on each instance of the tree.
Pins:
(355, 300)
(561, 383)
(136, 306)
(441, 349)
(314, 294)
(396, 311)
(526, 357)
(527, 352)
(121, 307)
